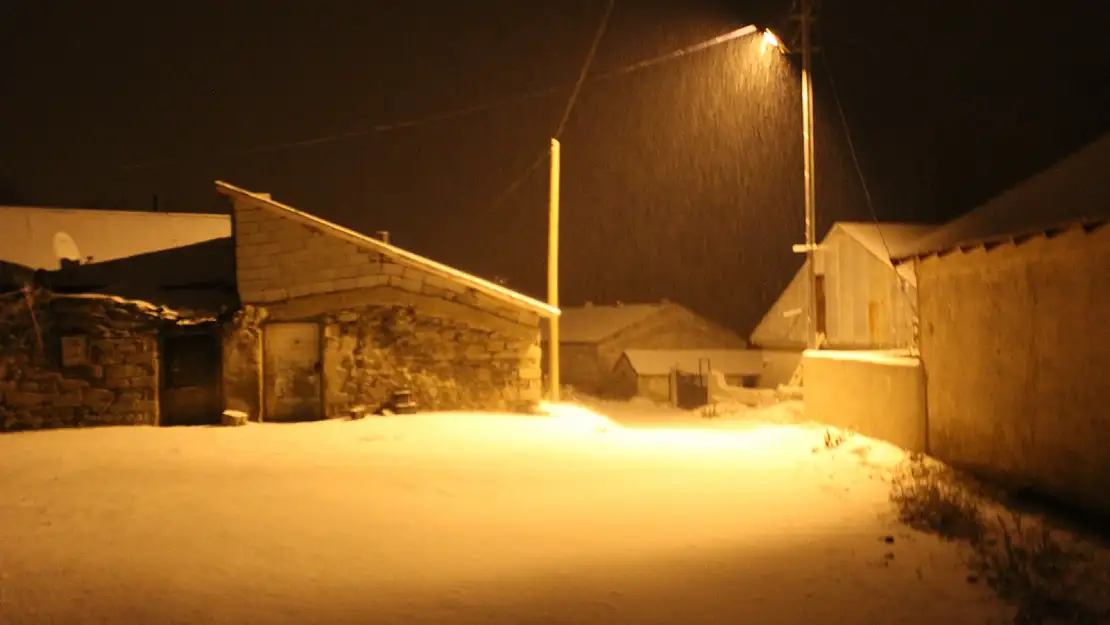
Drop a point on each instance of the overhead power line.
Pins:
(450, 114)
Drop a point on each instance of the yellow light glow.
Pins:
(769, 39)
(576, 415)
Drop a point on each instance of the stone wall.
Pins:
(76, 361)
(242, 352)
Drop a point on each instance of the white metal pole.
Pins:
(553, 274)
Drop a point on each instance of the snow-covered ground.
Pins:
(466, 518)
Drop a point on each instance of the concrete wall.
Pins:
(457, 347)
(1016, 347)
(106, 374)
(778, 367)
(878, 396)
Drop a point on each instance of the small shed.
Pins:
(648, 372)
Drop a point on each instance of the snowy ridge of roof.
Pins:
(1072, 191)
(592, 323)
(726, 361)
(514, 298)
(180, 317)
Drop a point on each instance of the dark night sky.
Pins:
(680, 181)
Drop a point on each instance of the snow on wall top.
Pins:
(38, 237)
(592, 324)
(518, 300)
(726, 361)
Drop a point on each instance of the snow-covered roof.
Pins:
(726, 361)
(38, 238)
(513, 298)
(1073, 191)
(592, 323)
(885, 240)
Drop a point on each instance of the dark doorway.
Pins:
(191, 359)
(822, 311)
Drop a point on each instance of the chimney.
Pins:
(384, 236)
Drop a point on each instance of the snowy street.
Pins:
(465, 518)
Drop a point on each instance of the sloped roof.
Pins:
(726, 361)
(1075, 190)
(592, 323)
(198, 277)
(885, 240)
(496, 291)
(37, 237)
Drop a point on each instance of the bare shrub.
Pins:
(930, 497)
(1023, 562)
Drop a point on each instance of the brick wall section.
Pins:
(116, 385)
(461, 348)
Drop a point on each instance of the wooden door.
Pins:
(191, 360)
(292, 372)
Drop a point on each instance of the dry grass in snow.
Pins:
(465, 518)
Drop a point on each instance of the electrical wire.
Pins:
(546, 153)
(451, 114)
(859, 172)
(585, 67)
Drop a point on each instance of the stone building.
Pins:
(333, 321)
(88, 359)
(593, 337)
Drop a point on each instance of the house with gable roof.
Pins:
(593, 338)
(864, 302)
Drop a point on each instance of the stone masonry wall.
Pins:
(387, 323)
(73, 361)
(449, 364)
(242, 338)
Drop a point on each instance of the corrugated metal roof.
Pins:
(1074, 190)
(36, 237)
(513, 298)
(591, 324)
(726, 361)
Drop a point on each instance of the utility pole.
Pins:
(553, 275)
(806, 18)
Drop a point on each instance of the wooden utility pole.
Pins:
(553, 275)
(806, 18)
